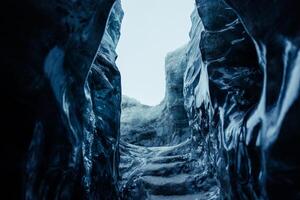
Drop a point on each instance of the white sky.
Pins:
(150, 29)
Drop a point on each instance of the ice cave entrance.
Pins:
(147, 35)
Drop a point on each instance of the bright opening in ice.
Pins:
(150, 29)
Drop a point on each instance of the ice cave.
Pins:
(226, 128)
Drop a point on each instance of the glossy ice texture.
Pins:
(228, 127)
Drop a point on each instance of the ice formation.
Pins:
(228, 127)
